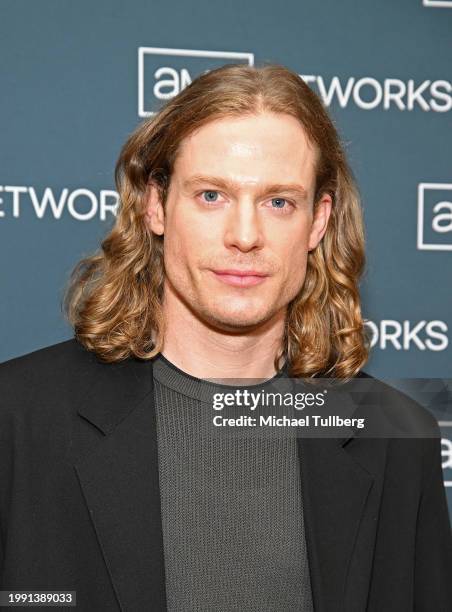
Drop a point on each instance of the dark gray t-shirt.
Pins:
(232, 512)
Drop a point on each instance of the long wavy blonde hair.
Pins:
(114, 297)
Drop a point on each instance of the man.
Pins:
(236, 254)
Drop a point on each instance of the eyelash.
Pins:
(292, 204)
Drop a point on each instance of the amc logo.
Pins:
(163, 73)
(434, 216)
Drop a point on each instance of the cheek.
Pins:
(186, 240)
(295, 268)
(292, 250)
(178, 236)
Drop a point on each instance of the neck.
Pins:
(205, 351)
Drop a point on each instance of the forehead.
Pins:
(266, 146)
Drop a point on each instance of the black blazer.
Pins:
(80, 505)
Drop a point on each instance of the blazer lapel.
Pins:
(342, 479)
(117, 466)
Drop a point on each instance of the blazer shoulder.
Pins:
(49, 357)
(405, 413)
(38, 378)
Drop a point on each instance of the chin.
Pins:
(236, 320)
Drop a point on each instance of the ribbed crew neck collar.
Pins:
(168, 374)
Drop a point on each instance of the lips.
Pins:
(232, 272)
(240, 278)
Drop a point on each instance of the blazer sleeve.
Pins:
(433, 562)
(5, 471)
(9, 403)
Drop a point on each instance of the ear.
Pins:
(155, 215)
(320, 221)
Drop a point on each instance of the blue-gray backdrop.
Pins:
(77, 77)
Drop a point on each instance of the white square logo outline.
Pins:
(421, 245)
(447, 483)
(437, 3)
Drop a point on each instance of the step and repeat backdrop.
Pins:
(77, 78)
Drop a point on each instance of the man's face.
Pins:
(240, 200)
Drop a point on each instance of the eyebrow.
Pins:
(229, 185)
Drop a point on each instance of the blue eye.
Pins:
(279, 200)
(209, 194)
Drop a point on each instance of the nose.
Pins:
(243, 229)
